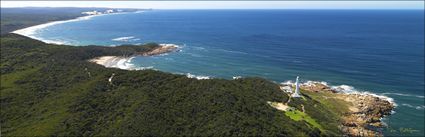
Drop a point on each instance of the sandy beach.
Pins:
(114, 62)
(125, 62)
(31, 31)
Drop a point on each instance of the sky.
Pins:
(224, 4)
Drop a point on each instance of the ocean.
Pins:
(376, 51)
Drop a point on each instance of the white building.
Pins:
(109, 11)
(91, 12)
(297, 93)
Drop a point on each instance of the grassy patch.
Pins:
(329, 101)
(298, 115)
(7, 81)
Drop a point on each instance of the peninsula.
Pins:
(63, 90)
(55, 89)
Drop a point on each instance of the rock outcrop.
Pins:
(366, 114)
(161, 49)
(365, 110)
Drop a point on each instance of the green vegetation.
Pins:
(321, 113)
(327, 99)
(298, 115)
(46, 91)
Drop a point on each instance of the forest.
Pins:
(52, 90)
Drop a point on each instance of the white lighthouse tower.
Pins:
(297, 93)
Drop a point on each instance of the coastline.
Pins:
(407, 111)
(30, 31)
(352, 124)
(355, 122)
(361, 112)
(123, 62)
(114, 62)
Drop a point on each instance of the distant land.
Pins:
(16, 18)
(55, 90)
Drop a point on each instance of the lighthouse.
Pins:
(297, 93)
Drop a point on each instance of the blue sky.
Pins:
(224, 4)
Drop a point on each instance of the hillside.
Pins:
(46, 90)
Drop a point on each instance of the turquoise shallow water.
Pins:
(381, 51)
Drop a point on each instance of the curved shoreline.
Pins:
(123, 62)
(32, 30)
(351, 123)
(114, 62)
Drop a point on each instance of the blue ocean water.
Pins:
(380, 51)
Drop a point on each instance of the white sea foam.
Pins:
(310, 83)
(126, 62)
(420, 107)
(232, 51)
(169, 44)
(383, 119)
(31, 31)
(197, 77)
(237, 77)
(346, 89)
(402, 94)
(142, 68)
(125, 39)
(289, 82)
(119, 62)
(58, 42)
(351, 90)
(122, 63)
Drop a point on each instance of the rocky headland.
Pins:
(364, 113)
(161, 49)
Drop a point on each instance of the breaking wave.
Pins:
(123, 63)
(126, 39)
(197, 77)
(33, 30)
(420, 107)
(237, 77)
(126, 63)
(142, 68)
(344, 89)
(401, 94)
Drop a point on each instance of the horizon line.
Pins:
(229, 8)
(224, 4)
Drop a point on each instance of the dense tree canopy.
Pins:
(46, 90)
